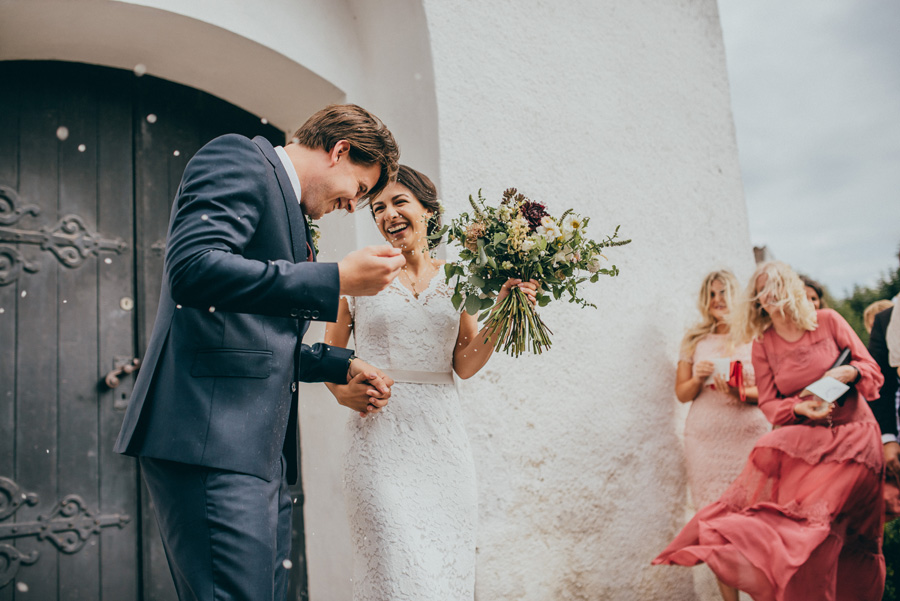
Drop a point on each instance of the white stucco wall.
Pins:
(618, 109)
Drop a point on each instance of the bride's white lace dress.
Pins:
(409, 479)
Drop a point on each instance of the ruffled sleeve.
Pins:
(778, 409)
(870, 376)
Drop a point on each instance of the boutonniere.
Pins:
(314, 234)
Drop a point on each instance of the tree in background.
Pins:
(853, 306)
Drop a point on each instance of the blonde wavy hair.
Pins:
(707, 324)
(786, 291)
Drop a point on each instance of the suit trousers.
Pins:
(226, 534)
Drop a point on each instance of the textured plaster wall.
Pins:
(621, 110)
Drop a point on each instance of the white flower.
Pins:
(552, 232)
(559, 257)
(528, 244)
(547, 221)
(506, 265)
(571, 223)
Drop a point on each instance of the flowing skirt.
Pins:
(804, 520)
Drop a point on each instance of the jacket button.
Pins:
(315, 315)
(293, 312)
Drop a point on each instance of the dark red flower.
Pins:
(533, 212)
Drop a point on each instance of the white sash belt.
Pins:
(420, 377)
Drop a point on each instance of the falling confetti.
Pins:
(418, 76)
(177, 306)
(264, 121)
(151, 118)
(212, 309)
(204, 217)
(177, 153)
(2, 310)
(24, 293)
(140, 69)
(288, 564)
(82, 148)
(295, 140)
(65, 301)
(62, 132)
(108, 261)
(21, 587)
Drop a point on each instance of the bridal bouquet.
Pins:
(520, 239)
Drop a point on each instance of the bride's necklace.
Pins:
(413, 283)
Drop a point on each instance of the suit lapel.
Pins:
(299, 230)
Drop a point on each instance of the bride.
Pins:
(409, 478)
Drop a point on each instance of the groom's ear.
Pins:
(340, 150)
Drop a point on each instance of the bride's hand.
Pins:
(530, 289)
(361, 396)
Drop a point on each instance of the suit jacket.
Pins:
(884, 407)
(216, 386)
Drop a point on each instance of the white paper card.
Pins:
(828, 389)
(722, 367)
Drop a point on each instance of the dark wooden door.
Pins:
(90, 158)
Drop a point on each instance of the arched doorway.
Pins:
(90, 158)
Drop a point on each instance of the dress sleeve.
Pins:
(870, 378)
(778, 409)
(351, 305)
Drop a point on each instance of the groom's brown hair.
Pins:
(371, 142)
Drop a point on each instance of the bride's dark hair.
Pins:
(426, 193)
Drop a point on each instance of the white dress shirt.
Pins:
(291, 171)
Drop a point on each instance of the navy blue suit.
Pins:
(884, 407)
(213, 400)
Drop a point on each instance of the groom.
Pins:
(213, 415)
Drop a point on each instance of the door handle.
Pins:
(126, 367)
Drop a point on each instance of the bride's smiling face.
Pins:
(401, 218)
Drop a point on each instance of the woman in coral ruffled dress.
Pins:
(804, 518)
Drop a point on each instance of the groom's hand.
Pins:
(368, 271)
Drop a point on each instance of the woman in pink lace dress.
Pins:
(804, 518)
(720, 429)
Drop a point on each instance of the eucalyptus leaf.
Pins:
(477, 281)
(473, 304)
(457, 300)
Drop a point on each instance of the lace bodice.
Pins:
(396, 330)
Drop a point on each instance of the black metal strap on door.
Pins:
(68, 526)
(69, 240)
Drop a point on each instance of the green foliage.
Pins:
(892, 559)
(852, 307)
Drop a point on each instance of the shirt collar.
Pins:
(291, 171)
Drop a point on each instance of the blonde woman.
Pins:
(804, 518)
(720, 429)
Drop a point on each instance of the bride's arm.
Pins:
(357, 394)
(473, 349)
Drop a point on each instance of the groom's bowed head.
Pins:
(344, 156)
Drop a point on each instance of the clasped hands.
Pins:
(367, 389)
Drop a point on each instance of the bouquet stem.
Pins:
(518, 326)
